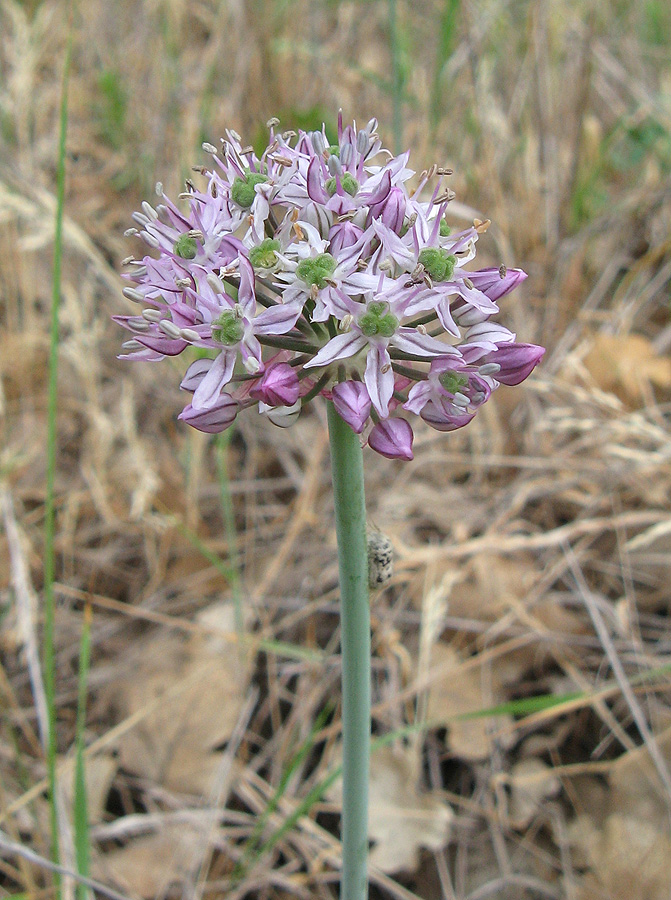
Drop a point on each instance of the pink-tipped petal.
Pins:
(392, 438)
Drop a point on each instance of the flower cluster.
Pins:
(315, 269)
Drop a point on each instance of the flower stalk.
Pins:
(350, 516)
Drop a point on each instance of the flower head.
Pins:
(314, 269)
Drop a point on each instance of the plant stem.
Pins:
(350, 514)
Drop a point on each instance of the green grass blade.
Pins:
(52, 404)
(81, 818)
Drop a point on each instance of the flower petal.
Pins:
(342, 346)
(379, 378)
(209, 390)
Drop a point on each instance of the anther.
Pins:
(346, 322)
(385, 368)
(200, 170)
(469, 284)
(140, 218)
(130, 232)
(460, 399)
(140, 326)
(131, 294)
(481, 226)
(189, 334)
(422, 329)
(503, 271)
(209, 148)
(489, 369)
(159, 188)
(151, 315)
(273, 122)
(149, 210)
(334, 166)
(127, 260)
(215, 283)
(362, 141)
(150, 239)
(132, 345)
(183, 282)
(196, 234)
(346, 154)
(169, 328)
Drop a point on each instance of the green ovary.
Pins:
(228, 329)
(452, 381)
(438, 263)
(377, 321)
(264, 256)
(242, 190)
(316, 270)
(349, 183)
(186, 247)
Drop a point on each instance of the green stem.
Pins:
(350, 515)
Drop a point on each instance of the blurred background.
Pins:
(522, 648)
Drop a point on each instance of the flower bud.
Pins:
(342, 235)
(392, 438)
(391, 210)
(517, 361)
(278, 386)
(496, 283)
(352, 403)
(213, 420)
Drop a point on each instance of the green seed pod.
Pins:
(264, 256)
(228, 329)
(349, 183)
(242, 190)
(438, 263)
(316, 270)
(186, 247)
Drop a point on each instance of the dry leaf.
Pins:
(531, 782)
(458, 691)
(629, 853)
(147, 865)
(402, 819)
(199, 683)
(622, 364)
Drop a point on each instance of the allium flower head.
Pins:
(322, 268)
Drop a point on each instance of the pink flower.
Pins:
(311, 269)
